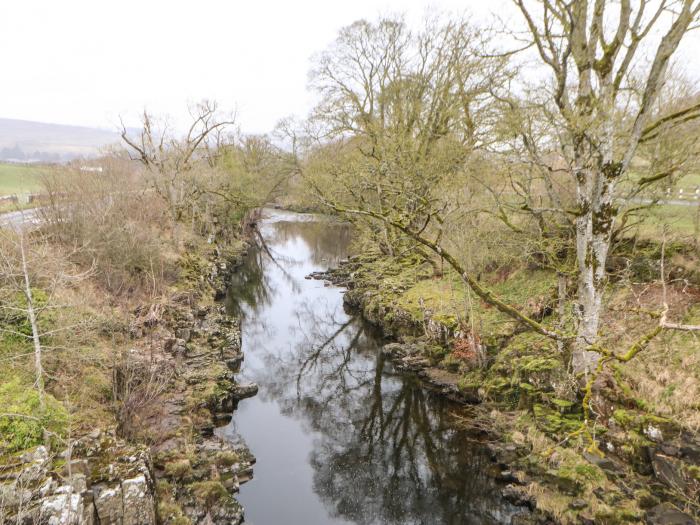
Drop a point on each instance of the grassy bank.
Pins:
(628, 460)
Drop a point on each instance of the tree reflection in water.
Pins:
(384, 450)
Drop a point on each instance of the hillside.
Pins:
(27, 141)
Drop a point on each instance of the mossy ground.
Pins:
(527, 375)
(23, 422)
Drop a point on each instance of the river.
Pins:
(340, 436)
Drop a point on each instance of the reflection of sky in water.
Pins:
(340, 437)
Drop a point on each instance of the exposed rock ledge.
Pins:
(102, 480)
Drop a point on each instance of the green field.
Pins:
(680, 221)
(691, 180)
(16, 178)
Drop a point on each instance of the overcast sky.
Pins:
(87, 61)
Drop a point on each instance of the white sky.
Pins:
(88, 61)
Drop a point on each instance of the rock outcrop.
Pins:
(102, 480)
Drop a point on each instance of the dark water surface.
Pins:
(340, 436)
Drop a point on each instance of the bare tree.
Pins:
(594, 54)
(25, 265)
(169, 158)
(405, 108)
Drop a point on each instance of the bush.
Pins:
(108, 220)
(226, 458)
(18, 399)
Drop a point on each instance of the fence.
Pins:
(19, 198)
(682, 194)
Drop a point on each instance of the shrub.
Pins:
(108, 221)
(209, 492)
(226, 458)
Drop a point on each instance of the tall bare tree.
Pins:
(170, 158)
(594, 51)
(404, 108)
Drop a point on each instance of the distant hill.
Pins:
(27, 141)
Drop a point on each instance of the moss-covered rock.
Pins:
(553, 422)
(652, 427)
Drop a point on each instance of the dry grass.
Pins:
(111, 221)
(560, 462)
(666, 376)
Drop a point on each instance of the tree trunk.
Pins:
(31, 314)
(594, 225)
(561, 307)
(589, 302)
(696, 228)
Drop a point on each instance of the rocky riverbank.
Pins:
(162, 463)
(649, 470)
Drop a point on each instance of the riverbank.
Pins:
(197, 473)
(156, 380)
(648, 471)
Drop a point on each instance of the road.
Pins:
(15, 219)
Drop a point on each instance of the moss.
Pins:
(618, 516)
(623, 417)
(533, 364)
(452, 363)
(627, 391)
(407, 285)
(641, 421)
(498, 383)
(638, 441)
(192, 267)
(209, 387)
(523, 371)
(451, 322)
(562, 404)
(437, 352)
(588, 472)
(645, 499)
(530, 291)
(169, 511)
(19, 433)
(553, 422)
(178, 469)
(572, 474)
(471, 380)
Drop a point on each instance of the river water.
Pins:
(340, 436)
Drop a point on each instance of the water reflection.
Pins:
(340, 436)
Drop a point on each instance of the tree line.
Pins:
(555, 131)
